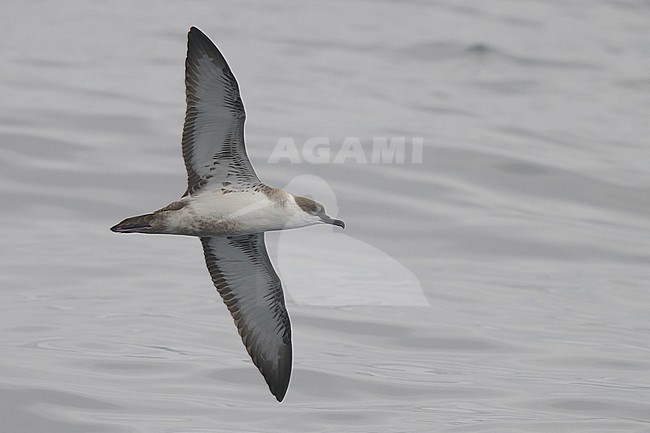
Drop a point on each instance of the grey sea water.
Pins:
(500, 285)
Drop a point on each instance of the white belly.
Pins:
(233, 213)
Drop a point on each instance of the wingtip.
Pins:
(278, 377)
(279, 394)
(198, 43)
(279, 390)
(196, 34)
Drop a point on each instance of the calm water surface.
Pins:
(498, 286)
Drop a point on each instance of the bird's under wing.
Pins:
(250, 288)
(213, 133)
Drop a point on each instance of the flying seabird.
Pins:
(229, 209)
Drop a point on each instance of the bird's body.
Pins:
(223, 213)
(229, 209)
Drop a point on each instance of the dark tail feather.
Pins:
(136, 224)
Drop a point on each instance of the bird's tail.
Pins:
(136, 224)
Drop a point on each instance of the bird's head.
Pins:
(314, 212)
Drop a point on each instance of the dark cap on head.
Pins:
(314, 208)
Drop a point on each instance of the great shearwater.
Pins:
(229, 209)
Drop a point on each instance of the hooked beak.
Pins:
(328, 220)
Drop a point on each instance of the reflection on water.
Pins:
(517, 250)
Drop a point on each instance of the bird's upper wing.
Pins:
(250, 288)
(213, 133)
